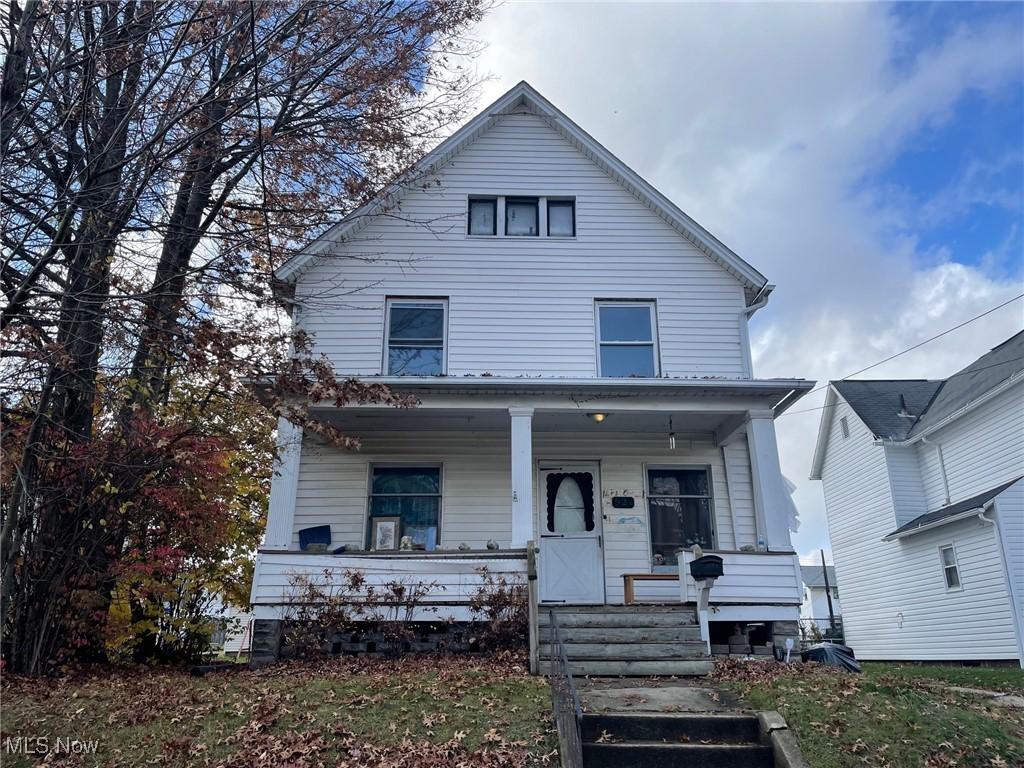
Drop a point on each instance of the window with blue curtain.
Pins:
(412, 494)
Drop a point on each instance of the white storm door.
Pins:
(571, 567)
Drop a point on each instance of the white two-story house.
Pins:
(925, 501)
(578, 349)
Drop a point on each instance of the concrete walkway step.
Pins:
(725, 728)
(647, 754)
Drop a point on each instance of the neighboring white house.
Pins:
(925, 504)
(816, 605)
(579, 350)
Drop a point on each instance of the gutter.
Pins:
(978, 512)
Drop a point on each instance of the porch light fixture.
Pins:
(597, 418)
(671, 435)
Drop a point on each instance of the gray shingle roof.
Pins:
(813, 576)
(878, 403)
(952, 510)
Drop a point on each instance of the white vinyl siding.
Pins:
(523, 305)
(895, 602)
(476, 503)
(981, 450)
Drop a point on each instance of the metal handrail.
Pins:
(565, 700)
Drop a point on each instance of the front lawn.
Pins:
(891, 716)
(429, 711)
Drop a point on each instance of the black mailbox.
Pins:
(707, 567)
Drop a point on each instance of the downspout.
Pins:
(942, 467)
(760, 300)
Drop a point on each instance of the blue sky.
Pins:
(867, 157)
(964, 172)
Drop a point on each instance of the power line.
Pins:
(910, 349)
(856, 401)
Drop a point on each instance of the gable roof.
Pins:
(951, 512)
(879, 403)
(524, 97)
(814, 577)
(929, 404)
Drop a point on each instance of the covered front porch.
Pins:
(606, 477)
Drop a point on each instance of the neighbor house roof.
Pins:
(950, 513)
(906, 410)
(524, 97)
(814, 577)
(889, 408)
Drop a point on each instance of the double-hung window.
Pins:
(627, 339)
(415, 336)
(410, 497)
(680, 509)
(950, 569)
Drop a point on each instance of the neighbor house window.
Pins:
(844, 427)
(521, 219)
(626, 339)
(415, 337)
(483, 216)
(408, 501)
(561, 218)
(950, 569)
(681, 515)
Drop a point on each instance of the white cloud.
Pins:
(761, 121)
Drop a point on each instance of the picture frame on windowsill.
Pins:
(385, 533)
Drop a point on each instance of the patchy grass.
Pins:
(428, 711)
(886, 717)
(1006, 679)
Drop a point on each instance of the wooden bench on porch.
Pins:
(629, 579)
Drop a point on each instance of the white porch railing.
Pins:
(754, 586)
(453, 578)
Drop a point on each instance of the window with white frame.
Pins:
(680, 510)
(950, 569)
(416, 336)
(627, 339)
(408, 501)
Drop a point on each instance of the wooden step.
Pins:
(703, 728)
(677, 634)
(619, 619)
(643, 754)
(629, 651)
(638, 668)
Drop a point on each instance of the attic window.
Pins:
(844, 427)
(521, 217)
(561, 218)
(483, 216)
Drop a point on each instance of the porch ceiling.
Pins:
(367, 420)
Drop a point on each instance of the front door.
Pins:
(571, 567)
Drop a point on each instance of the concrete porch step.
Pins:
(725, 728)
(638, 668)
(629, 650)
(644, 754)
(677, 634)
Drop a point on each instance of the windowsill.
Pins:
(560, 238)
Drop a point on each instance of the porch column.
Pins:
(522, 475)
(283, 486)
(770, 502)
